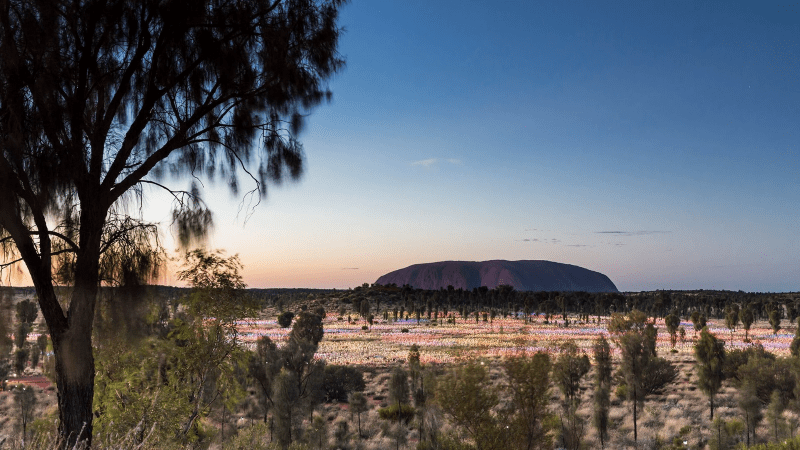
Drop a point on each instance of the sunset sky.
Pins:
(655, 142)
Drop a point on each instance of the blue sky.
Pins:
(655, 142)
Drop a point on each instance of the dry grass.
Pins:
(681, 410)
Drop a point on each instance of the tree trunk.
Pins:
(712, 406)
(74, 367)
(635, 401)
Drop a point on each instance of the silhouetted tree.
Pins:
(747, 318)
(101, 100)
(27, 311)
(672, 322)
(732, 317)
(775, 320)
(602, 392)
(21, 359)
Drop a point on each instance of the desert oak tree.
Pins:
(105, 101)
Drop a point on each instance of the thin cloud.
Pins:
(633, 233)
(349, 268)
(425, 162)
(431, 161)
(577, 245)
(547, 241)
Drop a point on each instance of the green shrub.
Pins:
(404, 412)
(621, 392)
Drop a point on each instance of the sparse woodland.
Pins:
(177, 372)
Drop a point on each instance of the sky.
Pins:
(654, 142)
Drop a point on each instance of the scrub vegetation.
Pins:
(211, 366)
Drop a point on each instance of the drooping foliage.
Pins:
(102, 102)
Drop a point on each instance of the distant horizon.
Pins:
(353, 287)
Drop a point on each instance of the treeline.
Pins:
(504, 301)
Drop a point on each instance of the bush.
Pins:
(285, 319)
(621, 392)
(364, 327)
(404, 412)
(339, 381)
(404, 330)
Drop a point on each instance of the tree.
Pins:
(364, 309)
(285, 394)
(174, 380)
(285, 319)
(398, 387)
(294, 362)
(642, 371)
(568, 370)
(732, 318)
(602, 400)
(20, 359)
(751, 408)
(695, 318)
(672, 322)
(21, 334)
(263, 368)
(341, 381)
(775, 320)
(318, 432)
(358, 405)
(101, 100)
(700, 323)
(27, 311)
(710, 354)
(747, 318)
(467, 396)
(420, 387)
(41, 343)
(775, 412)
(25, 399)
(5, 369)
(528, 384)
(398, 394)
(794, 347)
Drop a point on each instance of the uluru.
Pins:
(527, 275)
